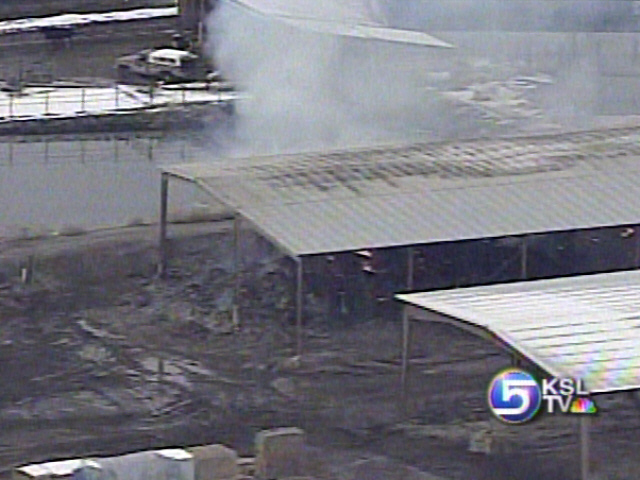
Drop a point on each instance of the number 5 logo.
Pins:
(514, 396)
(514, 388)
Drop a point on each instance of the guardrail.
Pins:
(42, 102)
(116, 148)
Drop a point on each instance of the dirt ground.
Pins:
(82, 342)
(100, 357)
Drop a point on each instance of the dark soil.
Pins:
(80, 348)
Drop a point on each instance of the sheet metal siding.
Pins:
(341, 201)
(584, 327)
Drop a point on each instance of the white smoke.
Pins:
(312, 91)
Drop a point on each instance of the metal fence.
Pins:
(116, 148)
(67, 102)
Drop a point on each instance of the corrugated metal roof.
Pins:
(584, 327)
(351, 18)
(348, 11)
(425, 193)
(370, 32)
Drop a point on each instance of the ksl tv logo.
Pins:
(515, 396)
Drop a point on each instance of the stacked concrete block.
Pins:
(383, 468)
(247, 466)
(280, 454)
(77, 469)
(215, 462)
(174, 464)
(169, 464)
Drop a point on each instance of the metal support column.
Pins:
(298, 306)
(235, 318)
(406, 332)
(516, 361)
(584, 447)
(523, 257)
(636, 257)
(164, 195)
(410, 260)
(405, 354)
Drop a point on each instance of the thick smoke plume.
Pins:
(310, 91)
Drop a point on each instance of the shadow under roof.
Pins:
(426, 193)
(584, 327)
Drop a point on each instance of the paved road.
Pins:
(31, 52)
(12, 9)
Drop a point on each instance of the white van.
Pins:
(169, 57)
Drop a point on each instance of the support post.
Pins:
(405, 330)
(183, 151)
(523, 257)
(636, 234)
(235, 318)
(164, 194)
(160, 377)
(410, 260)
(298, 306)
(405, 355)
(82, 151)
(584, 447)
(27, 271)
(516, 361)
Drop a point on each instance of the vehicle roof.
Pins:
(172, 53)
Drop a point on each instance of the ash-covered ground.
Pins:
(99, 356)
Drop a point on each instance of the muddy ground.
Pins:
(81, 345)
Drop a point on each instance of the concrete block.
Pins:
(215, 462)
(382, 468)
(165, 464)
(247, 466)
(61, 470)
(280, 453)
